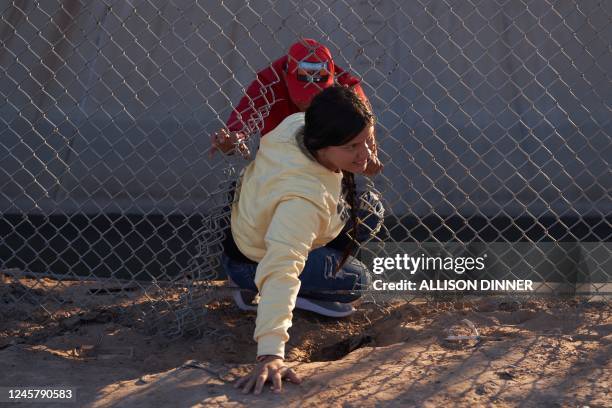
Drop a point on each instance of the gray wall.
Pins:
(482, 109)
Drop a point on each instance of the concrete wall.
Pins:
(481, 109)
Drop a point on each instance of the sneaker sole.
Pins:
(305, 304)
(240, 302)
(301, 303)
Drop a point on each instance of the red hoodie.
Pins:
(267, 101)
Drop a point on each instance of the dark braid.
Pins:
(349, 188)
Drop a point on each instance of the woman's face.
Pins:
(352, 156)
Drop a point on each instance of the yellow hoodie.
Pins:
(287, 204)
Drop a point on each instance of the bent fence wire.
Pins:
(493, 125)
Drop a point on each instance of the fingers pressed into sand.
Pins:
(249, 385)
(277, 381)
(261, 380)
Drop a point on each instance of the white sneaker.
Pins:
(244, 300)
(325, 308)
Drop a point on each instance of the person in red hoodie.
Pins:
(286, 87)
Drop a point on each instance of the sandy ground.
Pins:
(530, 353)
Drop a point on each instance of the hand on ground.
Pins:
(271, 368)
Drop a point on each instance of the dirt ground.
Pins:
(540, 353)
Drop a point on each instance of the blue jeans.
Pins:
(317, 278)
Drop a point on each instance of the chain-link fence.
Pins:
(493, 122)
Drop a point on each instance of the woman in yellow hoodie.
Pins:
(291, 201)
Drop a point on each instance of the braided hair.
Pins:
(335, 117)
